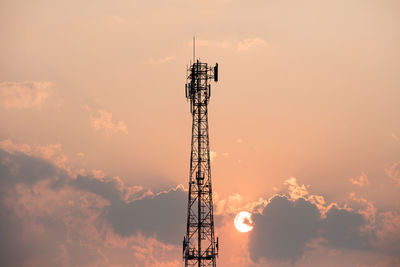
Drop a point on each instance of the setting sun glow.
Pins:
(243, 222)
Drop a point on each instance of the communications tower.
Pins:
(200, 247)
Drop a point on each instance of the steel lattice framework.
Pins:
(200, 247)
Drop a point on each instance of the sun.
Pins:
(243, 222)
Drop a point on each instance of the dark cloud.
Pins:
(21, 168)
(107, 189)
(341, 229)
(16, 169)
(13, 252)
(28, 239)
(162, 215)
(286, 227)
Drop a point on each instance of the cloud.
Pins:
(51, 152)
(50, 218)
(105, 123)
(248, 43)
(242, 45)
(286, 228)
(162, 216)
(233, 204)
(24, 95)
(393, 171)
(360, 181)
(230, 205)
(102, 121)
(388, 235)
(283, 229)
(365, 208)
(160, 61)
(296, 222)
(210, 43)
(396, 137)
(296, 191)
(342, 229)
(45, 227)
(132, 211)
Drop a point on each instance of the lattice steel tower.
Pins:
(200, 247)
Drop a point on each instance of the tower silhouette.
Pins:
(200, 247)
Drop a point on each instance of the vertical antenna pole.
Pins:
(194, 48)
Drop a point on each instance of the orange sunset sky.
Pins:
(95, 130)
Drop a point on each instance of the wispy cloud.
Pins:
(24, 95)
(393, 171)
(210, 43)
(225, 154)
(102, 121)
(248, 43)
(242, 45)
(395, 137)
(105, 123)
(160, 60)
(361, 180)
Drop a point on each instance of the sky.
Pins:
(95, 130)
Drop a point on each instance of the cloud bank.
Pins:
(51, 215)
(51, 218)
